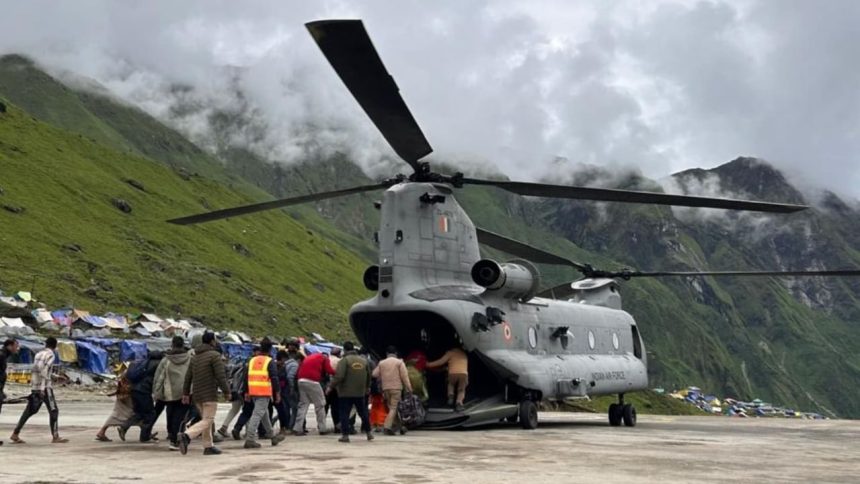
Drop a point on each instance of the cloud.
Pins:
(661, 87)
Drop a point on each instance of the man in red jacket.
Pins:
(310, 374)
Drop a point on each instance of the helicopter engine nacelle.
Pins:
(517, 279)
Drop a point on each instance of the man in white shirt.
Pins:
(42, 392)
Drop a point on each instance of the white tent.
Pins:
(11, 301)
(42, 316)
(13, 322)
(115, 323)
(149, 326)
(152, 318)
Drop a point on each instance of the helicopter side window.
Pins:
(532, 337)
(590, 340)
(637, 342)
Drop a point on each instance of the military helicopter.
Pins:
(433, 290)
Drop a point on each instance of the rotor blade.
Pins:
(521, 249)
(630, 274)
(631, 196)
(349, 50)
(284, 202)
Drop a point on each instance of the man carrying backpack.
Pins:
(141, 375)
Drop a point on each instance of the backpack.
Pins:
(411, 411)
(137, 371)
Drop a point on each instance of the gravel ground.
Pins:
(565, 448)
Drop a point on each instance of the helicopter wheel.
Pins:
(628, 413)
(616, 411)
(528, 415)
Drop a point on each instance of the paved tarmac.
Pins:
(565, 448)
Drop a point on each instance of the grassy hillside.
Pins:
(94, 115)
(60, 228)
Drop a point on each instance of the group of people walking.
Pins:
(185, 383)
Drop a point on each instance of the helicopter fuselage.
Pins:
(519, 346)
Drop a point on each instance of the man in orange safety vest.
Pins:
(262, 386)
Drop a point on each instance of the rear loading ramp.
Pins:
(434, 335)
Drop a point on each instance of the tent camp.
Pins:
(150, 327)
(62, 316)
(27, 349)
(89, 322)
(237, 351)
(115, 321)
(151, 318)
(311, 349)
(158, 344)
(12, 322)
(67, 351)
(11, 301)
(42, 315)
(130, 350)
(91, 358)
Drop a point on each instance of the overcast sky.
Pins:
(662, 85)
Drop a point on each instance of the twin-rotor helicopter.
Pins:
(433, 291)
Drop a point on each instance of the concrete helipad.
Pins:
(565, 448)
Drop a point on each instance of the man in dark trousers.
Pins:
(351, 381)
(167, 387)
(42, 392)
(204, 377)
(141, 395)
(10, 347)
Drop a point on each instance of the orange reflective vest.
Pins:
(259, 383)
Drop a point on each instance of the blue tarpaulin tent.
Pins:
(238, 351)
(28, 349)
(91, 358)
(105, 343)
(132, 350)
(95, 321)
(311, 349)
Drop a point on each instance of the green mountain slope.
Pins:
(788, 340)
(266, 274)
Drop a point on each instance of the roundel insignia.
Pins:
(506, 331)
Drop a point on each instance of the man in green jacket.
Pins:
(352, 381)
(204, 377)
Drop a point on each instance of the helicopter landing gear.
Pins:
(622, 412)
(615, 414)
(528, 415)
